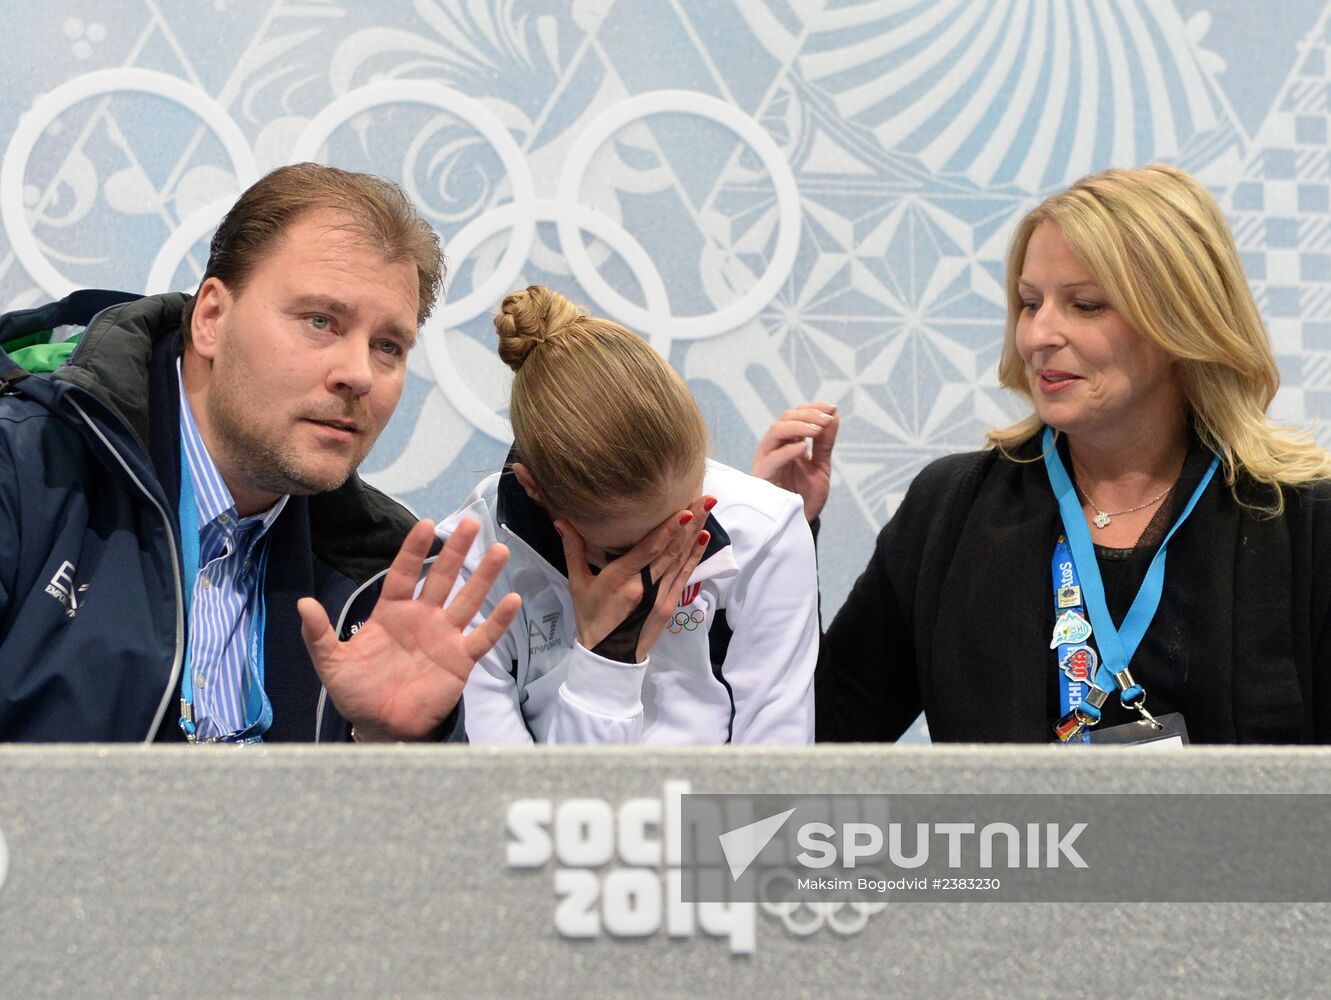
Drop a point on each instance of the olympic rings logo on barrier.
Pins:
(655, 319)
(686, 621)
(821, 913)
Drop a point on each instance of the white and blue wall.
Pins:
(791, 199)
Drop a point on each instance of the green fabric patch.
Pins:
(39, 358)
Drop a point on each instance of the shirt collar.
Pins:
(211, 496)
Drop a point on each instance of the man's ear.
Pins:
(528, 483)
(212, 305)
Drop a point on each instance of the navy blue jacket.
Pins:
(92, 628)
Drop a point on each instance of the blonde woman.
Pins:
(666, 598)
(1146, 554)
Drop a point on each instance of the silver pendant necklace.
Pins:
(1102, 518)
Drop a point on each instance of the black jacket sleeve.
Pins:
(1317, 500)
(872, 660)
(866, 686)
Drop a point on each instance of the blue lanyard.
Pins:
(258, 709)
(1117, 645)
(1077, 661)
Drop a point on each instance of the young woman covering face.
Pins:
(666, 598)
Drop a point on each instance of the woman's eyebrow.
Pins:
(1067, 286)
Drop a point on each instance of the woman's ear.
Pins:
(528, 483)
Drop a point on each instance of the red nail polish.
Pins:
(709, 503)
(686, 518)
(703, 538)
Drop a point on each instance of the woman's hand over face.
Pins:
(622, 611)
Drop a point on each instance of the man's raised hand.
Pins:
(401, 675)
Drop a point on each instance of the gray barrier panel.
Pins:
(368, 872)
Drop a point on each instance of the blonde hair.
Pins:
(1156, 242)
(601, 420)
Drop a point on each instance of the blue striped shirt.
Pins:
(225, 591)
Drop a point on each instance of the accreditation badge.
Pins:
(1172, 734)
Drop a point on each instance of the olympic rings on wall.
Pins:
(476, 232)
(648, 321)
(49, 107)
(520, 216)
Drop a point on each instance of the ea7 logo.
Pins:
(542, 636)
(538, 632)
(63, 590)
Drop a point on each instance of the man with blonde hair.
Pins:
(180, 516)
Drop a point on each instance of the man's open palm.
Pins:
(402, 673)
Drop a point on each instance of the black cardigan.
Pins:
(954, 614)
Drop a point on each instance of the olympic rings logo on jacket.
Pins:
(683, 620)
(686, 621)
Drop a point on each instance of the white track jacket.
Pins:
(734, 666)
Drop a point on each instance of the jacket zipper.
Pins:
(175, 571)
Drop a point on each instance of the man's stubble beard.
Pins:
(265, 466)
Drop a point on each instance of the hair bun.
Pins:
(529, 317)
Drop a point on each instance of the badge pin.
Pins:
(1079, 664)
(1070, 628)
(1069, 597)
